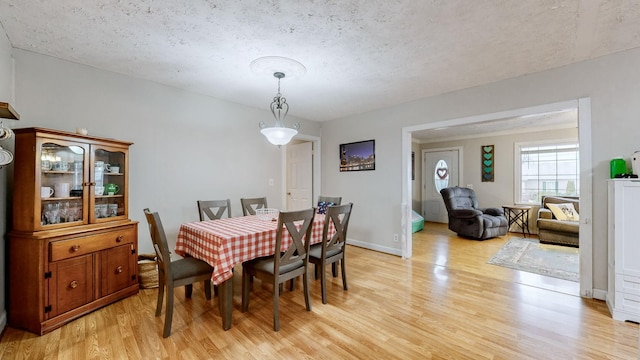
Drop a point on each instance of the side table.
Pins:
(519, 215)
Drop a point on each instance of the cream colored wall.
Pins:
(612, 83)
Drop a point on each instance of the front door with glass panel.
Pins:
(440, 170)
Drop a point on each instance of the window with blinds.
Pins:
(547, 169)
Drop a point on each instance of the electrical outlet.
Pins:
(395, 237)
(470, 186)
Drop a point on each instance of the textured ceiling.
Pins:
(360, 55)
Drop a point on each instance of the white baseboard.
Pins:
(599, 294)
(370, 246)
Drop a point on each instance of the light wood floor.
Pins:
(444, 303)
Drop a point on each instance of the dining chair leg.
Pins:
(246, 285)
(323, 283)
(161, 287)
(344, 274)
(168, 316)
(188, 289)
(207, 289)
(276, 307)
(307, 294)
(316, 269)
(334, 269)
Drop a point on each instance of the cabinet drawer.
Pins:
(628, 302)
(65, 249)
(628, 284)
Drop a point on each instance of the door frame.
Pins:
(317, 168)
(583, 105)
(424, 170)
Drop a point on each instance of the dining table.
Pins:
(226, 242)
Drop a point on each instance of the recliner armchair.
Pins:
(467, 219)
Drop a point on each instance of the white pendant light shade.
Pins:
(279, 135)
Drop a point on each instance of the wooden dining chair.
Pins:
(213, 209)
(332, 249)
(172, 274)
(249, 205)
(286, 264)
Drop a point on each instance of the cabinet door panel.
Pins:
(71, 284)
(117, 269)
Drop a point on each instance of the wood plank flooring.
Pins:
(444, 303)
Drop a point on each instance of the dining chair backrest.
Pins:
(337, 216)
(249, 205)
(299, 250)
(159, 240)
(335, 200)
(213, 209)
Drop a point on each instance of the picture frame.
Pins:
(358, 156)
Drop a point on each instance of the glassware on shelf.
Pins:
(76, 184)
(52, 213)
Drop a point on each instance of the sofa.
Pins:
(551, 229)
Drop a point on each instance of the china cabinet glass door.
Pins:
(62, 174)
(109, 184)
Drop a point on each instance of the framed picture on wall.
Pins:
(358, 156)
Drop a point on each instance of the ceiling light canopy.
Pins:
(278, 134)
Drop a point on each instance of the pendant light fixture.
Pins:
(278, 134)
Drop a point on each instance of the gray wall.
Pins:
(612, 83)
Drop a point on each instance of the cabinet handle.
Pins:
(75, 248)
(73, 284)
(118, 269)
(120, 238)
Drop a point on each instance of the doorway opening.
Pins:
(583, 108)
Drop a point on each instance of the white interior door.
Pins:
(299, 176)
(440, 170)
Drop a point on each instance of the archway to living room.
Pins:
(581, 107)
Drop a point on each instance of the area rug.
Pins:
(529, 255)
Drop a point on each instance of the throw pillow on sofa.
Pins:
(565, 212)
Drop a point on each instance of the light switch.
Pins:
(270, 182)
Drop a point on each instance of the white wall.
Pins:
(612, 83)
(186, 146)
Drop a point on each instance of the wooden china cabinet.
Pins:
(72, 246)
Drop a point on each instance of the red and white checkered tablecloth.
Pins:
(225, 242)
